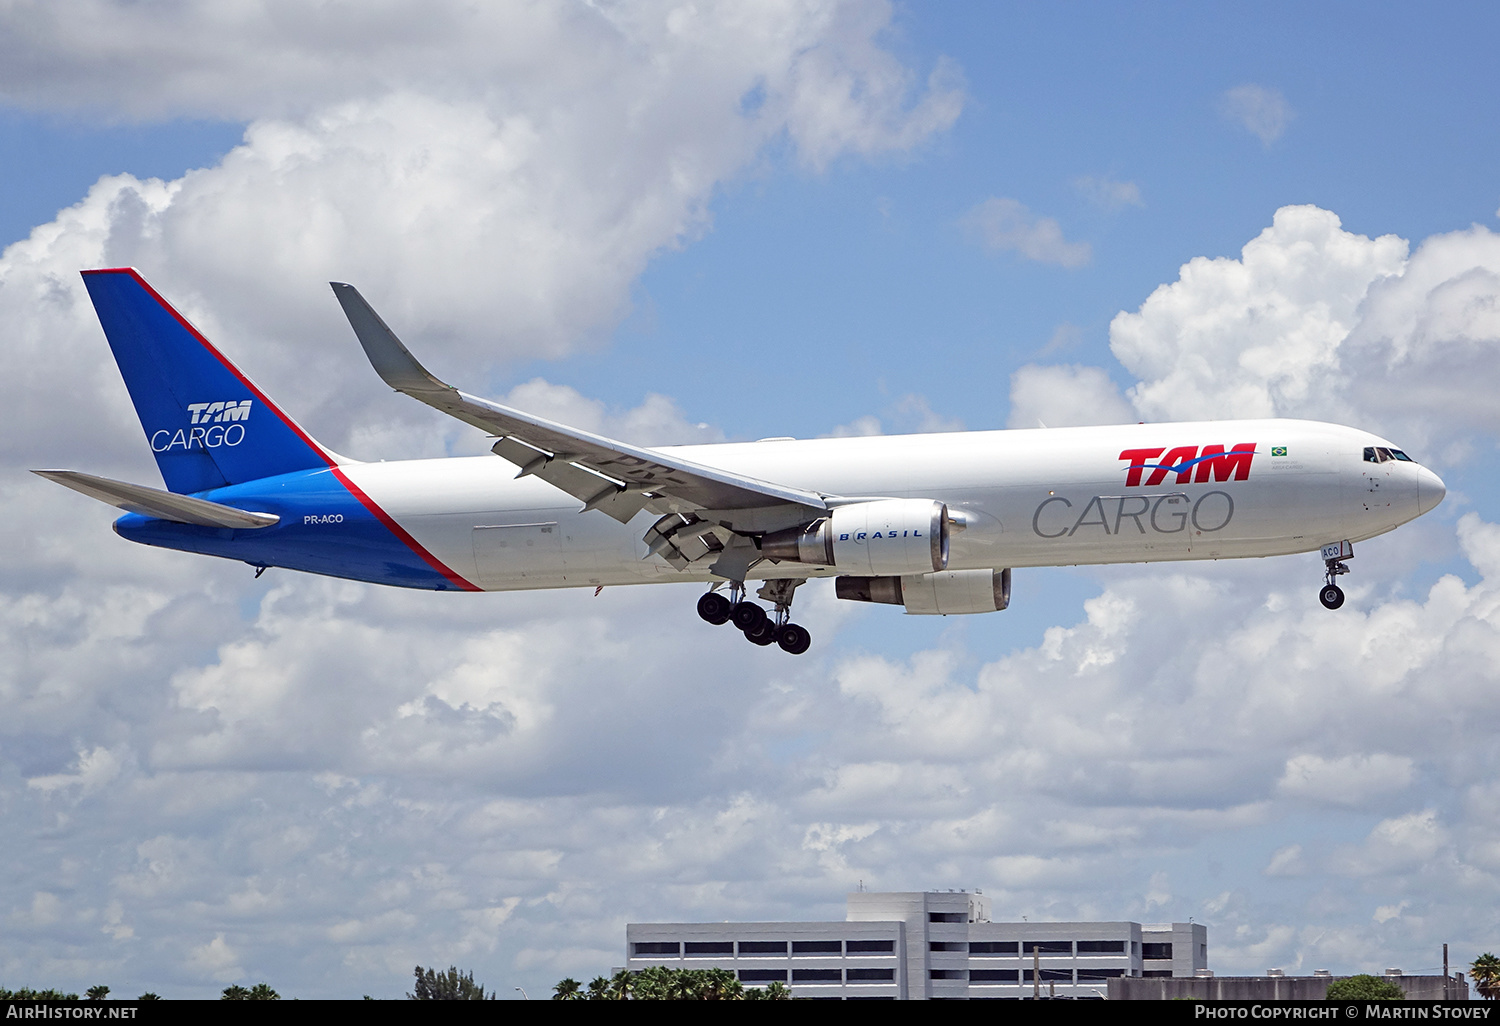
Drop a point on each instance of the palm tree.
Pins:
(567, 990)
(721, 985)
(621, 986)
(1485, 971)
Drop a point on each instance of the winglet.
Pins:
(390, 358)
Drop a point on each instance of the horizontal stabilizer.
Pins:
(153, 502)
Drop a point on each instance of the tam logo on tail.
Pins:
(219, 413)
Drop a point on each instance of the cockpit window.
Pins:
(1380, 454)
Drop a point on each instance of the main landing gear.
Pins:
(1332, 596)
(758, 626)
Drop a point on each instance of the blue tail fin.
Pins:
(207, 424)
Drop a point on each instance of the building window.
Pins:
(817, 976)
(762, 947)
(946, 946)
(1047, 947)
(1157, 972)
(817, 947)
(992, 947)
(993, 976)
(762, 975)
(871, 975)
(645, 948)
(1156, 951)
(708, 949)
(867, 946)
(1101, 947)
(1099, 974)
(947, 917)
(946, 974)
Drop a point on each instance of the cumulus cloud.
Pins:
(1004, 225)
(1262, 112)
(1350, 780)
(279, 58)
(493, 203)
(910, 414)
(1254, 336)
(1315, 321)
(1065, 395)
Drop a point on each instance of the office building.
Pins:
(923, 946)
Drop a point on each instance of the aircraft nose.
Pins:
(1430, 490)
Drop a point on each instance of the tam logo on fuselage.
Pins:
(1188, 464)
(213, 425)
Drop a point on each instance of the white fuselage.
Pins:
(1028, 498)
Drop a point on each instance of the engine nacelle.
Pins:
(887, 536)
(952, 591)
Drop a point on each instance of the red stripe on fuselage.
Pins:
(327, 457)
(400, 532)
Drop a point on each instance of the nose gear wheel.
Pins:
(1331, 595)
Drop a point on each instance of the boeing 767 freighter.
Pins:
(931, 522)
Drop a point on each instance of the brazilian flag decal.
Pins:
(1278, 450)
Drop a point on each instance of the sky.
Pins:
(675, 222)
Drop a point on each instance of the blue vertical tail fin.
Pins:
(207, 424)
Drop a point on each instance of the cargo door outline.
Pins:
(519, 552)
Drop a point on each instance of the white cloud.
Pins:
(1253, 337)
(96, 768)
(1401, 844)
(1006, 225)
(1350, 780)
(657, 421)
(215, 960)
(1262, 112)
(821, 70)
(1108, 193)
(1065, 395)
(1314, 321)
(910, 414)
(1286, 862)
(493, 203)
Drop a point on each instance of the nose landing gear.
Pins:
(1332, 596)
(759, 627)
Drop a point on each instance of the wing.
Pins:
(610, 476)
(153, 502)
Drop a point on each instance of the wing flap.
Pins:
(153, 502)
(607, 494)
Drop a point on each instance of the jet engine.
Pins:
(885, 536)
(951, 591)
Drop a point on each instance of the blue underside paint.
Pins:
(345, 540)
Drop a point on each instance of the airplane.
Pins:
(931, 522)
